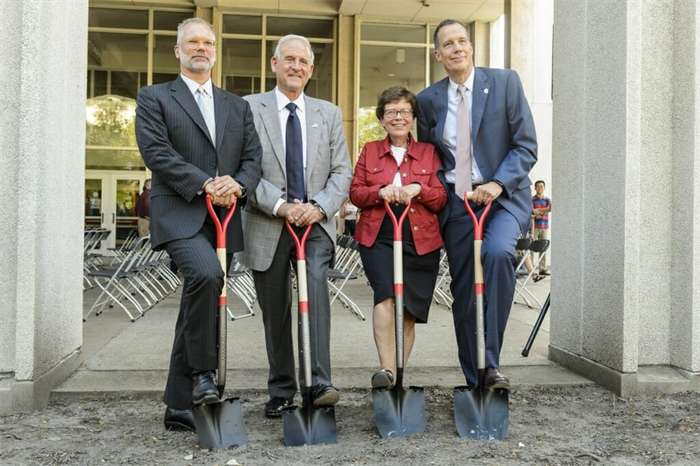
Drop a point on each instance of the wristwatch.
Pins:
(320, 209)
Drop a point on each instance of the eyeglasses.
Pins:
(195, 43)
(405, 112)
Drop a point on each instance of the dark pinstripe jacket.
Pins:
(176, 146)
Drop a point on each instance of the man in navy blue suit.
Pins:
(503, 149)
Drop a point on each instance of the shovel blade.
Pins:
(399, 412)
(309, 426)
(481, 414)
(220, 425)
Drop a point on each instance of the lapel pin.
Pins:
(315, 125)
(486, 91)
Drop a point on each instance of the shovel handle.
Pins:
(478, 281)
(303, 292)
(398, 288)
(221, 254)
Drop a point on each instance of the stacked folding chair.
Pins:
(240, 282)
(92, 260)
(348, 266)
(442, 294)
(528, 247)
(137, 283)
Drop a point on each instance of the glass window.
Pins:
(124, 57)
(240, 24)
(168, 20)
(382, 67)
(309, 28)
(166, 66)
(240, 62)
(320, 85)
(118, 18)
(393, 32)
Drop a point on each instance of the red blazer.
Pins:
(376, 168)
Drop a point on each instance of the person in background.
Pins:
(197, 140)
(306, 174)
(541, 207)
(481, 125)
(398, 169)
(143, 209)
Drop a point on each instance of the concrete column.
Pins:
(42, 152)
(530, 49)
(346, 80)
(480, 33)
(626, 170)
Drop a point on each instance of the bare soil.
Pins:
(571, 426)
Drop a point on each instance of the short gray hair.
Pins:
(289, 37)
(181, 28)
(443, 23)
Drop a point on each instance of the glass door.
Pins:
(110, 202)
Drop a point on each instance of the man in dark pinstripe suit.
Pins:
(196, 139)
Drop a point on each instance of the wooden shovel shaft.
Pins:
(221, 255)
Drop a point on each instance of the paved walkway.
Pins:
(120, 357)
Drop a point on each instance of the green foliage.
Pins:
(368, 126)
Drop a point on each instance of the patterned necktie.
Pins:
(295, 157)
(463, 163)
(206, 106)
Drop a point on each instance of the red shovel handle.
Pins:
(221, 229)
(397, 224)
(300, 244)
(478, 222)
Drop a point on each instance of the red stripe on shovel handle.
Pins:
(478, 223)
(399, 224)
(221, 229)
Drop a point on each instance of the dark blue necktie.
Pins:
(295, 157)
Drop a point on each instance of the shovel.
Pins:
(306, 425)
(220, 425)
(480, 414)
(398, 412)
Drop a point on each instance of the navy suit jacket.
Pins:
(503, 136)
(176, 146)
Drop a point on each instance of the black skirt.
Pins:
(419, 272)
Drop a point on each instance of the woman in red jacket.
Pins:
(398, 169)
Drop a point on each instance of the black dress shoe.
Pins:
(179, 419)
(276, 405)
(204, 391)
(494, 379)
(324, 395)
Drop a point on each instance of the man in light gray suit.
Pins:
(197, 139)
(306, 176)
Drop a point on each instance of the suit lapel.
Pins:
(182, 95)
(221, 109)
(271, 120)
(314, 121)
(479, 95)
(440, 104)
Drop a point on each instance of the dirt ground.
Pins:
(579, 425)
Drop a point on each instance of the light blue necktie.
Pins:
(206, 106)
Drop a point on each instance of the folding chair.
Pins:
(240, 282)
(118, 283)
(539, 246)
(348, 266)
(442, 294)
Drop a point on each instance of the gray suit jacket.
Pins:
(328, 174)
(503, 135)
(176, 145)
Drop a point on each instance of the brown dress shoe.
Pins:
(494, 379)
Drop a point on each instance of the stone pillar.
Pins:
(627, 172)
(530, 51)
(347, 53)
(480, 33)
(42, 153)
